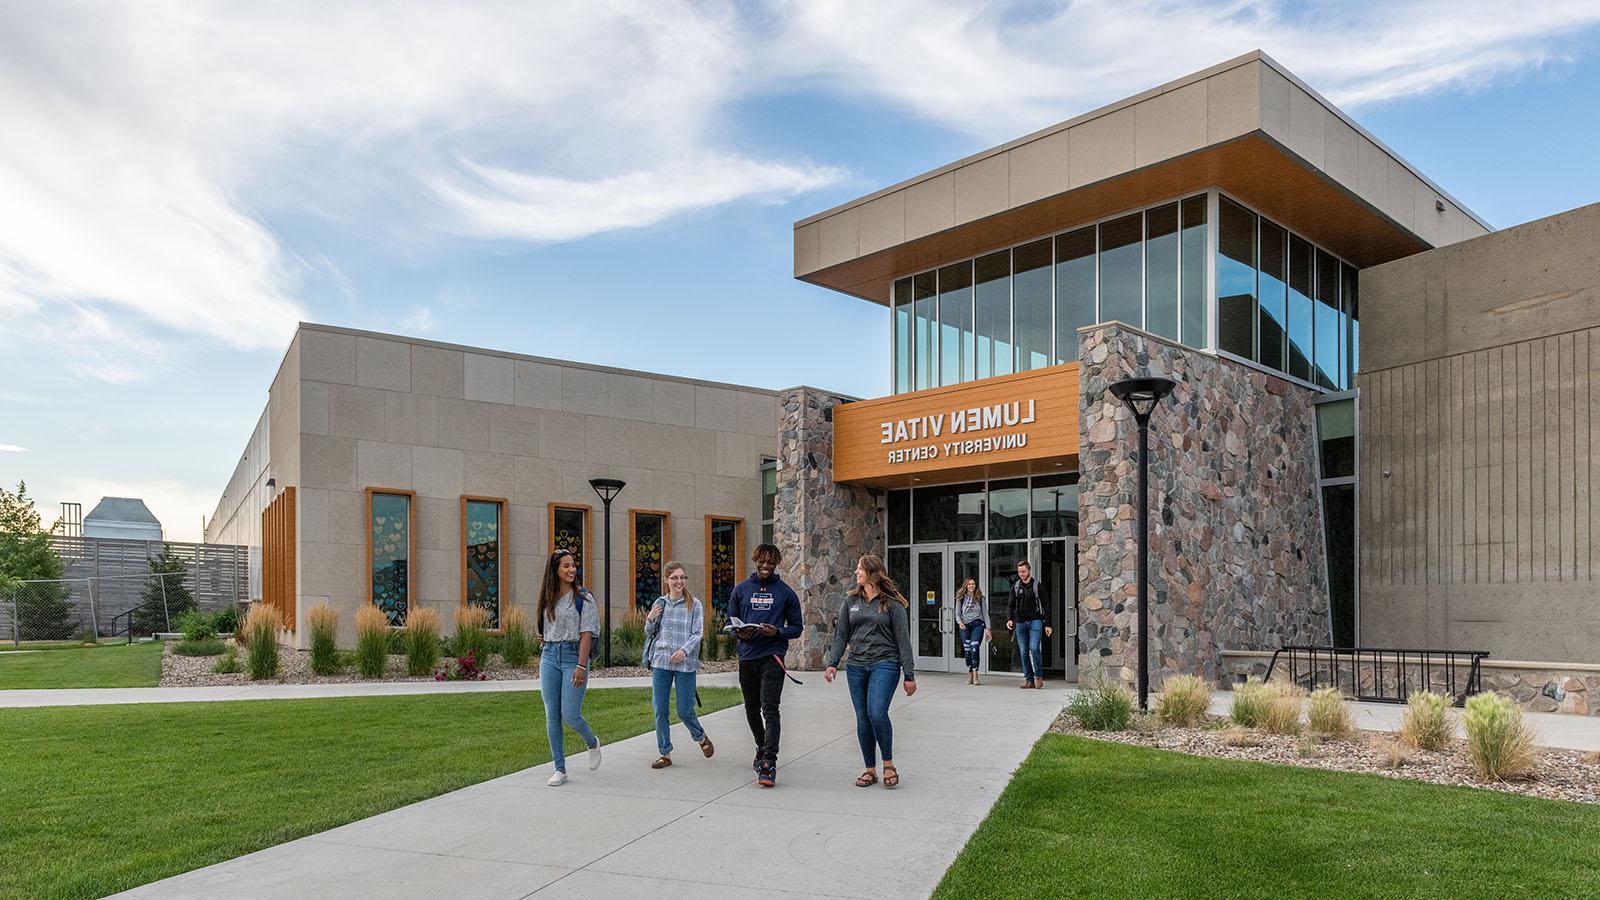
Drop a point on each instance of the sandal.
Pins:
(661, 763)
(705, 746)
(867, 779)
(891, 776)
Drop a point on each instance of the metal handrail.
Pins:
(1318, 666)
(129, 613)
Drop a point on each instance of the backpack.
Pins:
(577, 603)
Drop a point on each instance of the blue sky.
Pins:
(184, 181)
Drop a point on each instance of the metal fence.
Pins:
(105, 606)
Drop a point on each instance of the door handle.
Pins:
(946, 620)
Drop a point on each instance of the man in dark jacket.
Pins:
(771, 613)
(1027, 616)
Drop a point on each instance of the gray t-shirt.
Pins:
(873, 636)
(566, 625)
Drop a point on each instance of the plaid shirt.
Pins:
(680, 627)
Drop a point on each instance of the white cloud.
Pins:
(12, 448)
(418, 321)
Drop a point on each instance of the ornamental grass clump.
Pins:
(422, 642)
(1327, 714)
(1499, 744)
(1284, 705)
(1102, 705)
(324, 624)
(261, 639)
(472, 632)
(1183, 700)
(372, 642)
(517, 648)
(1250, 701)
(229, 663)
(1426, 723)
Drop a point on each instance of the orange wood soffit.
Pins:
(860, 454)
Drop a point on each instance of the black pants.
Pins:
(761, 680)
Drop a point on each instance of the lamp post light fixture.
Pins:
(607, 488)
(1142, 395)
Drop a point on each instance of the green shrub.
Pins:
(196, 627)
(472, 633)
(1426, 723)
(208, 646)
(396, 641)
(261, 638)
(1499, 744)
(1250, 701)
(229, 663)
(1183, 700)
(1327, 713)
(516, 646)
(324, 624)
(373, 641)
(422, 642)
(1285, 702)
(1101, 705)
(225, 620)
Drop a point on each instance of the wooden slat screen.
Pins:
(278, 556)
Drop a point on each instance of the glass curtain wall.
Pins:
(1161, 271)
(902, 335)
(1192, 272)
(1075, 290)
(992, 301)
(957, 356)
(925, 343)
(1030, 292)
(1337, 449)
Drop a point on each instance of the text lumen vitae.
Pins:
(959, 422)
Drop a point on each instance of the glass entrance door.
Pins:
(937, 575)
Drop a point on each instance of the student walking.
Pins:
(1026, 615)
(771, 613)
(673, 630)
(875, 620)
(569, 620)
(972, 619)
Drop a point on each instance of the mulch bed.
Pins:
(294, 667)
(1558, 774)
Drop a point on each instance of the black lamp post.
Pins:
(1142, 395)
(607, 488)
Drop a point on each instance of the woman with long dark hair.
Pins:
(569, 622)
(875, 623)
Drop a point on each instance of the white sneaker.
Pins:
(594, 754)
(557, 780)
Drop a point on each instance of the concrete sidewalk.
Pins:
(1552, 729)
(103, 696)
(700, 829)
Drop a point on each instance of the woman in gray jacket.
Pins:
(874, 620)
(972, 620)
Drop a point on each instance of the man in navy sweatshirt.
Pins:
(770, 610)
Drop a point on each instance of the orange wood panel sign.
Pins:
(1007, 425)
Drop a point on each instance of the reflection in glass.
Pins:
(1301, 255)
(956, 350)
(1074, 290)
(649, 555)
(390, 521)
(1008, 509)
(1121, 278)
(1339, 522)
(1055, 506)
(566, 533)
(965, 564)
(949, 512)
(993, 300)
(1274, 294)
(1327, 320)
(899, 517)
(1030, 288)
(902, 336)
(925, 305)
(898, 562)
(1003, 559)
(1193, 277)
(1236, 279)
(1351, 330)
(1336, 435)
(1161, 271)
(482, 553)
(926, 600)
(722, 558)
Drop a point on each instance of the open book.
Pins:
(735, 624)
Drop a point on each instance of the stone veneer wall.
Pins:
(820, 527)
(1236, 544)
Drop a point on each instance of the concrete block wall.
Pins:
(367, 410)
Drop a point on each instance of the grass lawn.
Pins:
(1086, 818)
(99, 799)
(105, 666)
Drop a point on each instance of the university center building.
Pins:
(1381, 434)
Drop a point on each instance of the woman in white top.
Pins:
(569, 621)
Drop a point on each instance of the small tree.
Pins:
(26, 555)
(153, 616)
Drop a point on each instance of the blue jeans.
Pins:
(1028, 636)
(871, 689)
(972, 642)
(562, 701)
(661, 683)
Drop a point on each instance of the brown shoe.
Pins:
(661, 763)
(705, 746)
(1026, 684)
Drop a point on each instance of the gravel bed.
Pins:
(294, 667)
(1558, 774)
